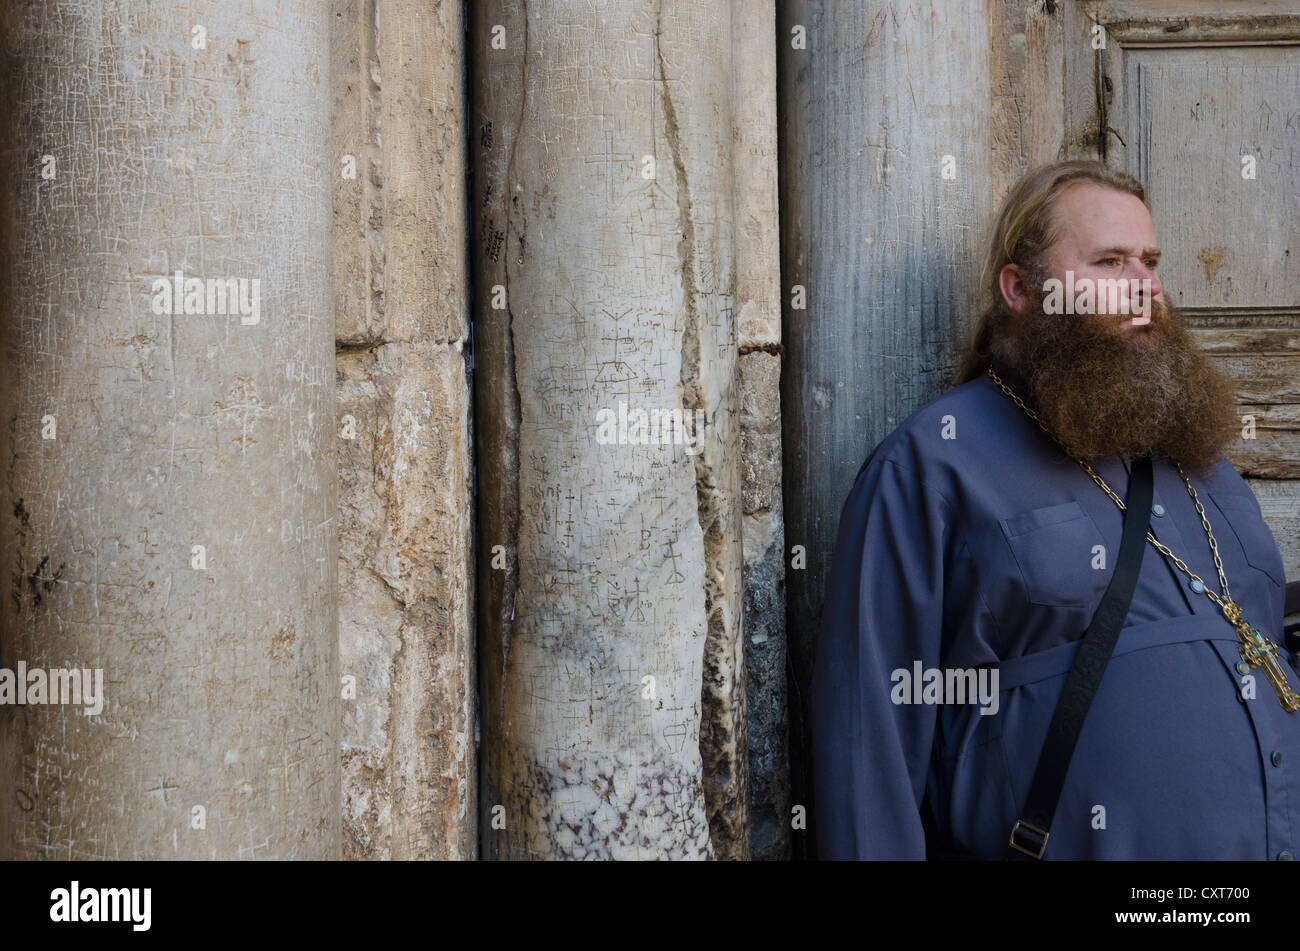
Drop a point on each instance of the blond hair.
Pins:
(1023, 233)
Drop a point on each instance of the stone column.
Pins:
(612, 670)
(758, 318)
(406, 530)
(886, 175)
(169, 458)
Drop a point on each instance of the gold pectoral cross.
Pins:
(1258, 651)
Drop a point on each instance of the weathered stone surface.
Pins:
(405, 527)
(758, 306)
(765, 649)
(767, 691)
(760, 429)
(404, 551)
(618, 562)
(758, 236)
(218, 736)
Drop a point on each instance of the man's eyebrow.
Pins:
(1146, 252)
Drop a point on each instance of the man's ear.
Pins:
(1013, 283)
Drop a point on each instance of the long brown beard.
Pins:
(1102, 392)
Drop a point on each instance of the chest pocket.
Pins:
(1056, 548)
(1240, 513)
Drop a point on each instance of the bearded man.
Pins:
(982, 535)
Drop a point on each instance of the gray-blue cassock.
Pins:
(982, 550)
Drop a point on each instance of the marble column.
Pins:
(168, 431)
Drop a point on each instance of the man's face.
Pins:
(1113, 383)
(1107, 235)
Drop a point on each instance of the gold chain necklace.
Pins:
(1256, 649)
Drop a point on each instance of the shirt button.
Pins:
(1196, 586)
(1276, 758)
(1284, 857)
(1157, 510)
(1243, 667)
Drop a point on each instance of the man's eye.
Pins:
(1108, 261)
(1151, 263)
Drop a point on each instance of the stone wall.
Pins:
(406, 465)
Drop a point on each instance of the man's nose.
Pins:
(1141, 272)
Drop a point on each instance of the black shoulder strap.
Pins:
(1029, 835)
